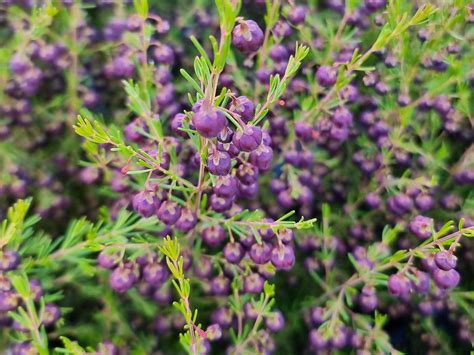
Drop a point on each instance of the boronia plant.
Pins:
(236, 177)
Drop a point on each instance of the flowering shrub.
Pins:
(257, 177)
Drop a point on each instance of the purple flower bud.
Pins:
(260, 253)
(297, 14)
(374, 5)
(108, 259)
(9, 301)
(213, 235)
(317, 340)
(233, 252)
(446, 279)
(262, 157)
(318, 316)
(283, 257)
(399, 285)
(275, 321)
(169, 212)
(445, 260)
(219, 163)
(177, 123)
(226, 186)
(222, 316)
(220, 286)
(248, 139)
(342, 116)
(146, 203)
(247, 174)
(163, 54)
(243, 106)
(220, 204)
(155, 273)
(247, 36)
(51, 314)
(373, 200)
(209, 122)
(19, 64)
(122, 279)
(326, 76)
(253, 283)
(186, 221)
(9, 260)
(422, 282)
(279, 53)
(421, 226)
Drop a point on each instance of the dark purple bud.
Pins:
(326, 76)
(421, 226)
(316, 340)
(213, 235)
(163, 54)
(260, 253)
(446, 279)
(297, 14)
(209, 122)
(169, 212)
(253, 283)
(146, 203)
(51, 314)
(399, 285)
(248, 139)
(275, 321)
(421, 283)
(283, 257)
(279, 53)
(226, 186)
(222, 316)
(122, 279)
(247, 174)
(220, 204)
(9, 260)
(186, 221)
(247, 36)
(219, 163)
(177, 124)
(108, 259)
(233, 252)
(9, 301)
(243, 106)
(220, 286)
(262, 157)
(445, 260)
(155, 273)
(424, 202)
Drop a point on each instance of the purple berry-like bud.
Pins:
(164, 54)
(421, 226)
(122, 279)
(260, 253)
(9, 301)
(222, 316)
(19, 64)
(177, 123)
(400, 204)
(243, 106)
(304, 131)
(213, 235)
(317, 340)
(374, 5)
(422, 282)
(275, 321)
(9, 260)
(253, 283)
(399, 285)
(247, 36)
(283, 257)
(326, 76)
(220, 204)
(233, 252)
(248, 139)
(424, 202)
(446, 279)
(146, 203)
(108, 259)
(51, 314)
(445, 260)
(373, 200)
(318, 315)
(297, 14)
(155, 273)
(219, 163)
(169, 212)
(247, 174)
(225, 136)
(186, 221)
(220, 286)
(209, 122)
(262, 157)
(226, 186)
(279, 53)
